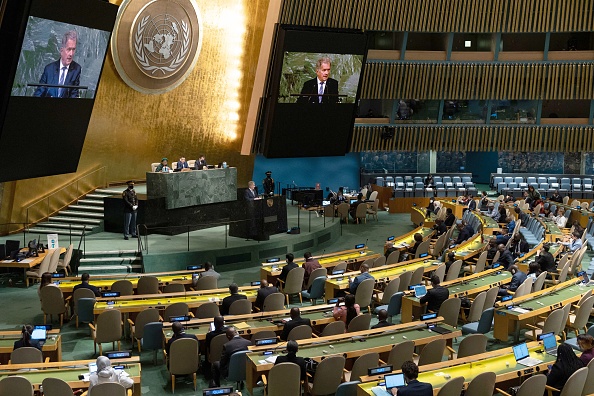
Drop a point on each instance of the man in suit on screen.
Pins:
(64, 71)
(321, 89)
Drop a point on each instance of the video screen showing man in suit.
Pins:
(64, 71)
(321, 89)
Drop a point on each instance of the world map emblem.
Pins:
(163, 39)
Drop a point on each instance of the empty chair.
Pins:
(148, 285)
(393, 257)
(207, 310)
(449, 311)
(183, 359)
(348, 388)
(206, 283)
(43, 267)
(417, 276)
(175, 309)
(64, 264)
(389, 290)
(363, 362)
(483, 326)
(315, 274)
(216, 348)
(372, 211)
(361, 213)
(237, 369)
(476, 309)
(534, 385)
(15, 385)
(582, 314)
(470, 345)
(589, 385)
(491, 298)
(53, 264)
(274, 302)
(343, 211)
(432, 352)
(340, 266)
(77, 295)
(316, 292)
(108, 328)
(452, 388)
(539, 282)
(333, 328)
(479, 266)
(85, 310)
(327, 377)
(26, 355)
(124, 287)
(405, 281)
(302, 332)
(55, 387)
(359, 323)
(152, 338)
(137, 326)
(380, 261)
(482, 385)
(240, 307)
(283, 379)
(175, 288)
(294, 283)
(454, 271)
(400, 353)
(552, 324)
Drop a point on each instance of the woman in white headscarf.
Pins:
(106, 373)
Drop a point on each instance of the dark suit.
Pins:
(85, 285)
(264, 292)
(416, 388)
(310, 88)
(182, 165)
(292, 358)
(449, 220)
(519, 248)
(285, 271)
(177, 337)
(465, 234)
(198, 165)
(250, 195)
(434, 298)
(472, 204)
(290, 325)
(51, 75)
(506, 259)
(546, 261)
(227, 301)
(380, 324)
(221, 367)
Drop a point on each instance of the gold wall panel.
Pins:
(481, 16)
(394, 80)
(205, 115)
(476, 138)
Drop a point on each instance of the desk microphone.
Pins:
(367, 240)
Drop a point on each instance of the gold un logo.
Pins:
(155, 44)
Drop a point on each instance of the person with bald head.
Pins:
(235, 344)
(296, 320)
(264, 291)
(518, 277)
(360, 278)
(178, 332)
(506, 259)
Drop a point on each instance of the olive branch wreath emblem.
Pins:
(141, 57)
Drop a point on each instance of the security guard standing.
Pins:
(268, 184)
(130, 210)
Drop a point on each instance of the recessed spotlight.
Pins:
(468, 43)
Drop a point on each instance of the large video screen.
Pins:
(50, 82)
(312, 94)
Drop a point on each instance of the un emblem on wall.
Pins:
(156, 43)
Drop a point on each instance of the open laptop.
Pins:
(549, 343)
(523, 357)
(39, 333)
(394, 381)
(420, 291)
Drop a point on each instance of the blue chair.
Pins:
(317, 290)
(573, 341)
(152, 338)
(483, 326)
(347, 389)
(85, 310)
(393, 306)
(237, 369)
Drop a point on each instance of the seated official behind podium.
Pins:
(163, 166)
(182, 164)
(251, 193)
(200, 163)
(413, 386)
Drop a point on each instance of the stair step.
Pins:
(58, 231)
(81, 214)
(107, 269)
(128, 259)
(67, 226)
(111, 252)
(75, 220)
(96, 202)
(97, 196)
(107, 191)
(86, 207)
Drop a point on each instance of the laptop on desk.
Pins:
(549, 343)
(523, 356)
(394, 381)
(420, 291)
(39, 333)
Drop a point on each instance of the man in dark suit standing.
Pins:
(235, 344)
(64, 71)
(321, 89)
(227, 301)
(413, 386)
(296, 320)
(251, 192)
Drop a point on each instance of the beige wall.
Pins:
(206, 114)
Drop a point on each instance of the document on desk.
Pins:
(380, 391)
(29, 260)
(241, 325)
(520, 310)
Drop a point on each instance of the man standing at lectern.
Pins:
(251, 192)
(321, 89)
(64, 71)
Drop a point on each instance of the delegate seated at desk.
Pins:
(296, 320)
(546, 259)
(26, 341)
(85, 285)
(355, 205)
(227, 301)
(360, 278)
(178, 332)
(505, 257)
(106, 373)
(413, 386)
(465, 232)
(435, 296)
(291, 357)
(518, 277)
